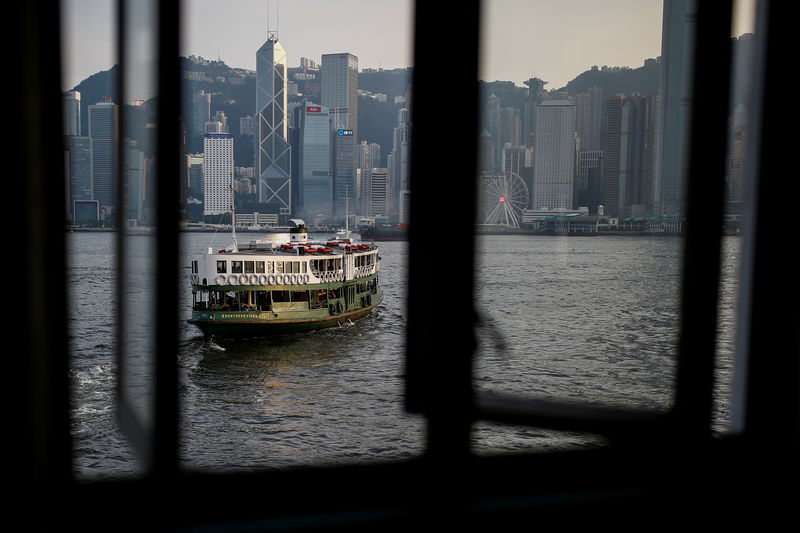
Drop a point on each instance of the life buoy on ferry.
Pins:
(220, 280)
(253, 279)
(243, 279)
(262, 279)
(271, 279)
(305, 278)
(232, 279)
(339, 306)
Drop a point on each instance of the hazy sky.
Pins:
(554, 41)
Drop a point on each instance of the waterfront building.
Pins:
(588, 180)
(677, 48)
(273, 158)
(217, 173)
(734, 179)
(554, 155)
(626, 142)
(103, 132)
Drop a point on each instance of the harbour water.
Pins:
(589, 319)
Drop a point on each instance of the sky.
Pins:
(554, 41)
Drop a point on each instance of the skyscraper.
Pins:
(71, 107)
(626, 173)
(554, 155)
(315, 182)
(78, 171)
(217, 173)
(103, 132)
(273, 158)
(589, 116)
(201, 112)
(398, 171)
(339, 75)
(677, 46)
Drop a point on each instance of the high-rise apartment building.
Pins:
(677, 47)
(339, 74)
(273, 157)
(589, 118)
(103, 132)
(554, 155)
(217, 173)
(626, 173)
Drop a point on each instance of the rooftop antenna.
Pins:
(273, 34)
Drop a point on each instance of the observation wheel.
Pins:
(505, 198)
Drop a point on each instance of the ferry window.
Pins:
(296, 267)
(222, 267)
(249, 267)
(236, 267)
(270, 267)
(305, 267)
(279, 267)
(259, 267)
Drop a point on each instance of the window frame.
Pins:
(648, 469)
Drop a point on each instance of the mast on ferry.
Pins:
(233, 218)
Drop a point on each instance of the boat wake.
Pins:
(213, 345)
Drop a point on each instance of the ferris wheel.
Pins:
(505, 198)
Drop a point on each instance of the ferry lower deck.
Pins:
(269, 310)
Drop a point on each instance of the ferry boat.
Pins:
(279, 285)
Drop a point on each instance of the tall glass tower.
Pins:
(273, 158)
(677, 45)
(103, 132)
(340, 96)
(314, 161)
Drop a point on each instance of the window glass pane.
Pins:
(338, 124)
(737, 205)
(580, 208)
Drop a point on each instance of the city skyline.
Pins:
(380, 35)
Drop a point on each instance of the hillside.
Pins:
(233, 92)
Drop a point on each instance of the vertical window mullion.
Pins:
(440, 300)
(168, 161)
(705, 194)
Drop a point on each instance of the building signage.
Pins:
(313, 109)
(346, 133)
